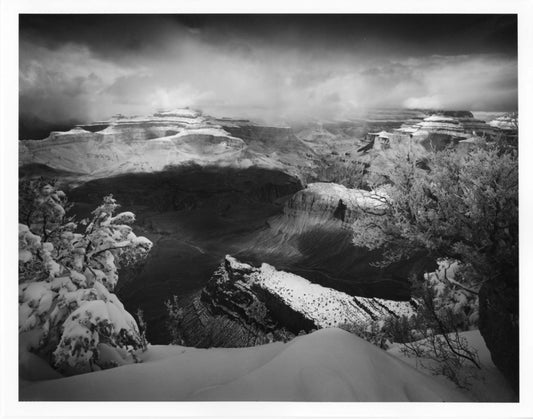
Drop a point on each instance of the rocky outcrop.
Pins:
(204, 325)
(312, 238)
(334, 201)
(269, 301)
(236, 291)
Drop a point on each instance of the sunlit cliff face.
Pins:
(266, 67)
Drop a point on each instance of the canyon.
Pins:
(203, 188)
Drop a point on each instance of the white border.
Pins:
(9, 404)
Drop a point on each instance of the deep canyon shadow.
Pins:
(196, 215)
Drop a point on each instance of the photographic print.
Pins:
(268, 207)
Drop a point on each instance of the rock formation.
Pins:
(312, 238)
(170, 138)
(434, 131)
(338, 139)
(329, 200)
(257, 305)
(457, 125)
(507, 122)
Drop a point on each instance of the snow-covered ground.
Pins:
(327, 365)
(486, 385)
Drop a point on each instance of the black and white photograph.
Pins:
(267, 207)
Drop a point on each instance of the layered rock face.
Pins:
(460, 125)
(204, 325)
(435, 130)
(318, 306)
(149, 144)
(445, 128)
(263, 304)
(135, 144)
(507, 122)
(312, 238)
(331, 200)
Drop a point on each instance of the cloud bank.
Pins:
(228, 72)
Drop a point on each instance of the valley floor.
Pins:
(327, 365)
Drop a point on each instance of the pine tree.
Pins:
(68, 313)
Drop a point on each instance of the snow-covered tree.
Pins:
(68, 313)
(453, 297)
(460, 206)
(449, 204)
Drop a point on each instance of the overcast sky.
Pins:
(89, 67)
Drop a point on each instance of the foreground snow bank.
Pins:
(327, 365)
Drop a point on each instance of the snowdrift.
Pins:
(328, 365)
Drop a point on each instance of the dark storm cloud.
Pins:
(415, 34)
(269, 66)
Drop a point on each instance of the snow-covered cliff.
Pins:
(168, 138)
(455, 124)
(334, 201)
(271, 299)
(507, 122)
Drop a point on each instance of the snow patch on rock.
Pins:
(325, 307)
